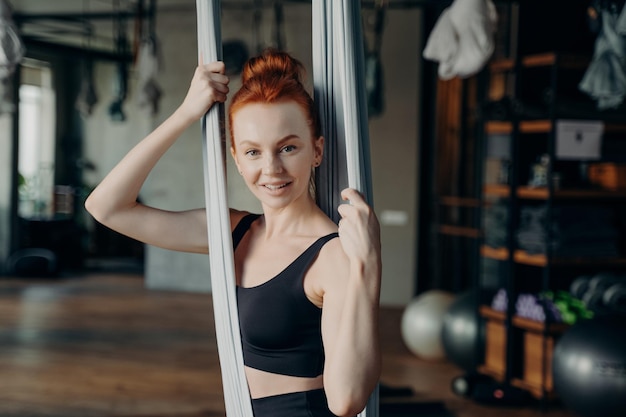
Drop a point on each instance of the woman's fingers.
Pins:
(357, 208)
(208, 86)
(353, 196)
(359, 230)
(217, 67)
(218, 82)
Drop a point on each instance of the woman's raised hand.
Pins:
(359, 230)
(208, 86)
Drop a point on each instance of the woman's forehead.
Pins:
(262, 121)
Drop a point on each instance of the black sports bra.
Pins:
(280, 327)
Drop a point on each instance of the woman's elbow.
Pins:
(90, 205)
(345, 410)
(345, 406)
(95, 208)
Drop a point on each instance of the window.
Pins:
(37, 115)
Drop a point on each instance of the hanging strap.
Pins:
(236, 394)
(339, 88)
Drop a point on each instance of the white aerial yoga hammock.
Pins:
(340, 94)
(339, 82)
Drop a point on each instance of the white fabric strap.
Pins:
(339, 88)
(236, 394)
(339, 84)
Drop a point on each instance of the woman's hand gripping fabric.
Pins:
(208, 86)
(359, 229)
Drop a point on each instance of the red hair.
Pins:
(274, 77)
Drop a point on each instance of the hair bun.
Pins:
(272, 63)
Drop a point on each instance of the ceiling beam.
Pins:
(76, 51)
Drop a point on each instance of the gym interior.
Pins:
(497, 136)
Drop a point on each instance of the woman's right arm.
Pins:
(114, 201)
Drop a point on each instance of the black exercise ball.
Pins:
(463, 332)
(589, 367)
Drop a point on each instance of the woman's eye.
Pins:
(252, 152)
(288, 148)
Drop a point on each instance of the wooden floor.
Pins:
(102, 345)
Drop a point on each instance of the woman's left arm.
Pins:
(350, 310)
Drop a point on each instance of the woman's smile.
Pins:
(275, 187)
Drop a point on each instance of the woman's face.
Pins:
(274, 151)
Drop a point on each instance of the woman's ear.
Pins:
(234, 155)
(318, 147)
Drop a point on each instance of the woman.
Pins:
(307, 289)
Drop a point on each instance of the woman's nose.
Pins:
(272, 165)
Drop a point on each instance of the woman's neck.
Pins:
(294, 220)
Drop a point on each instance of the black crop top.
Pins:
(280, 328)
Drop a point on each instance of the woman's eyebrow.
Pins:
(247, 142)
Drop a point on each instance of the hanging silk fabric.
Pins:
(340, 93)
(339, 84)
(236, 395)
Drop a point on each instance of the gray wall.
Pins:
(394, 144)
(176, 182)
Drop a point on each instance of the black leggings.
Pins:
(297, 404)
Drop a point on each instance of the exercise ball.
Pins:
(463, 332)
(422, 321)
(589, 367)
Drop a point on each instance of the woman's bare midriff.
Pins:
(265, 384)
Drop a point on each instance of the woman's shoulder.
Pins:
(236, 216)
(332, 259)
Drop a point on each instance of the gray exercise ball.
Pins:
(422, 321)
(463, 332)
(589, 367)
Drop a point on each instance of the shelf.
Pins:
(497, 190)
(538, 326)
(499, 127)
(551, 58)
(494, 373)
(502, 65)
(615, 127)
(534, 193)
(460, 231)
(523, 119)
(538, 344)
(535, 390)
(541, 260)
(523, 322)
(494, 127)
(600, 262)
(542, 60)
(535, 126)
(489, 313)
(459, 201)
(499, 254)
(543, 193)
(525, 258)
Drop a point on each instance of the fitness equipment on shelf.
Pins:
(603, 293)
